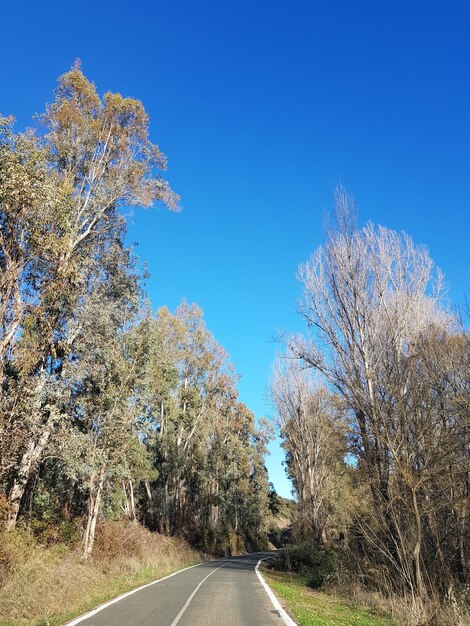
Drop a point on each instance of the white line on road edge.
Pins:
(127, 594)
(188, 601)
(277, 605)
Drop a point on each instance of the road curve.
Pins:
(225, 592)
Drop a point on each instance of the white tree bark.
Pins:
(94, 503)
(28, 463)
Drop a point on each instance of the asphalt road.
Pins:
(219, 593)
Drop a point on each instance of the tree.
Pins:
(208, 454)
(102, 374)
(113, 410)
(314, 445)
(373, 301)
(59, 203)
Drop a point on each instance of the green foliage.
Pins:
(314, 563)
(107, 410)
(274, 501)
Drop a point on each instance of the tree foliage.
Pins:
(105, 408)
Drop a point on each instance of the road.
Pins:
(225, 592)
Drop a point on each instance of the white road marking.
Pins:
(126, 595)
(282, 613)
(188, 601)
(277, 605)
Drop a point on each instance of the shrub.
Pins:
(305, 559)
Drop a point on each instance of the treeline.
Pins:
(107, 409)
(373, 404)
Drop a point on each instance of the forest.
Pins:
(108, 408)
(116, 418)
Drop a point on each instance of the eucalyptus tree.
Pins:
(31, 198)
(95, 156)
(181, 362)
(203, 441)
(110, 401)
(29, 201)
(102, 373)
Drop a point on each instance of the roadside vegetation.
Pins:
(118, 423)
(282, 512)
(122, 437)
(372, 404)
(311, 607)
(48, 584)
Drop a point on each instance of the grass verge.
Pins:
(48, 585)
(319, 608)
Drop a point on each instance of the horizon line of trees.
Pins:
(107, 409)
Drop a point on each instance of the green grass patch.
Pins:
(320, 608)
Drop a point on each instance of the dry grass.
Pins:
(404, 611)
(46, 585)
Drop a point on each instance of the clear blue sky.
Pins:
(262, 108)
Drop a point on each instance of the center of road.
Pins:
(188, 601)
(237, 596)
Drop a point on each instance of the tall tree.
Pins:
(95, 157)
(313, 440)
(372, 298)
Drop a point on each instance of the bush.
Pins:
(279, 537)
(305, 559)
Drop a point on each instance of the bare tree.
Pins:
(371, 297)
(312, 441)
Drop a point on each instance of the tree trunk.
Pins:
(27, 465)
(125, 504)
(149, 516)
(128, 505)
(420, 588)
(165, 515)
(133, 515)
(214, 509)
(94, 502)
